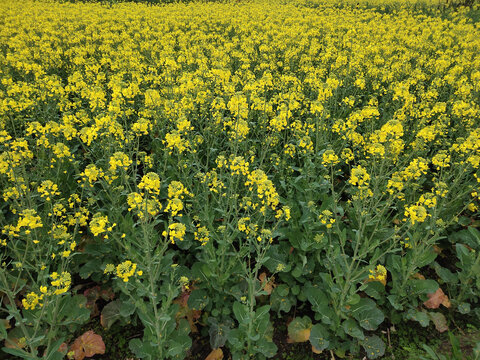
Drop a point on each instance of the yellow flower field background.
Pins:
(199, 169)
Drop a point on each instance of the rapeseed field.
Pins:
(197, 170)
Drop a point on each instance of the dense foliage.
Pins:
(202, 167)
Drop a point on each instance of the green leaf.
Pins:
(73, 309)
(111, 313)
(3, 328)
(280, 300)
(147, 319)
(218, 333)
(431, 352)
(236, 339)
(241, 313)
(374, 289)
(354, 299)
(199, 273)
(282, 290)
(475, 233)
(393, 299)
(373, 346)
(351, 328)
(420, 316)
(18, 352)
(198, 299)
(267, 348)
(466, 260)
(56, 356)
(127, 308)
(367, 314)
(278, 257)
(419, 286)
(89, 268)
(316, 297)
(457, 352)
(262, 313)
(142, 349)
(319, 337)
(320, 304)
(463, 308)
(445, 274)
(178, 343)
(53, 353)
(426, 258)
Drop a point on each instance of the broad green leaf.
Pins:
(445, 274)
(319, 337)
(241, 313)
(374, 289)
(280, 299)
(178, 343)
(73, 309)
(463, 308)
(426, 258)
(267, 348)
(351, 328)
(320, 304)
(127, 308)
(236, 338)
(218, 333)
(420, 316)
(4, 325)
(466, 260)
(17, 352)
(142, 349)
(111, 313)
(316, 297)
(89, 268)
(394, 301)
(54, 352)
(197, 300)
(374, 346)
(419, 286)
(367, 314)
(278, 258)
(475, 234)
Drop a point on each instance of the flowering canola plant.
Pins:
(182, 150)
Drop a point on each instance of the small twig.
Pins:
(134, 336)
(459, 329)
(389, 343)
(333, 356)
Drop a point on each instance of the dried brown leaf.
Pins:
(184, 311)
(267, 285)
(216, 354)
(437, 298)
(87, 345)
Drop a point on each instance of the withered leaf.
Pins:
(436, 299)
(216, 354)
(299, 330)
(87, 345)
(439, 321)
(267, 285)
